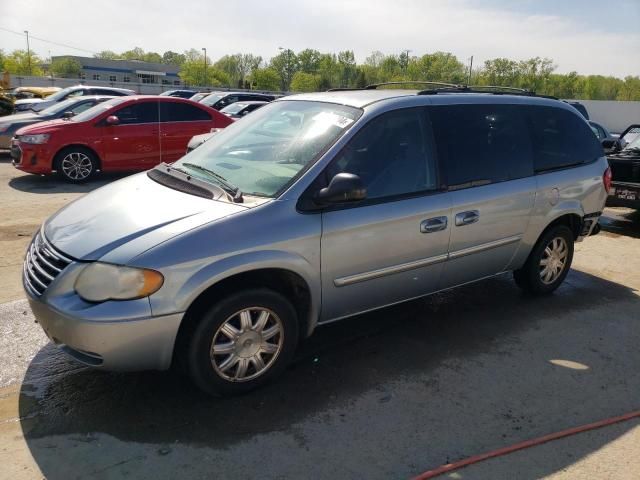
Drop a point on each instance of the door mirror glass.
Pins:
(112, 120)
(344, 187)
(68, 114)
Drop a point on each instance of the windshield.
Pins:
(234, 107)
(262, 154)
(59, 107)
(633, 137)
(61, 94)
(96, 110)
(211, 99)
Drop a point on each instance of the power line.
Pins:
(49, 41)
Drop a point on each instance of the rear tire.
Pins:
(242, 342)
(76, 164)
(548, 263)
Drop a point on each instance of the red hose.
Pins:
(522, 445)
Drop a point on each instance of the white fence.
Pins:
(614, 115)
(141, 88)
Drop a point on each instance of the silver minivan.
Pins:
(310, 210)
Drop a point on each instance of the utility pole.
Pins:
(470, 70)
(26, 32)
(287, 71)
(205, 67)
(406, 59)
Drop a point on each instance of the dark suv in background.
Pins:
(219, 100)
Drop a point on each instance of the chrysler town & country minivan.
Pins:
(313, 209)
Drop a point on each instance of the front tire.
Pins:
(76, 164)
(242, 342)
(548, 263)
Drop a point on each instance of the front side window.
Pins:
(482, 144)
(265, 153)
(561, 139)
(181, 112)
(391, 155)
(144, 112)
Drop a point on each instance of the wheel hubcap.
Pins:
(554, 259)
(246, 344)
(76, 166)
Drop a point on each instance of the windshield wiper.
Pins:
(228, 187)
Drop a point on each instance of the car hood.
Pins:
(129, 216)
(19, 117)
(44, 127)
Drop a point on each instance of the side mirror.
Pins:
(611, 145)
(344, 187)
(68, 114)
(112, 120)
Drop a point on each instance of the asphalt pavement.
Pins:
(388, 394)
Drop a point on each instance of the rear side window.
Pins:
(482, 144)
(182, 112)
(561, 139)
(144, 112)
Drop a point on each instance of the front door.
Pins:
(488, 161)
(134, 143)
(392, 246)
(179, 122)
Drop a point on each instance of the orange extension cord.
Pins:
(526, 444)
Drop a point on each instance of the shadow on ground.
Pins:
(621, 221)
(54, 184)
(387, 394)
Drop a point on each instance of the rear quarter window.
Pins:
(561, 139)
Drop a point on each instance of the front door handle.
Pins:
(434, 224)
(467, 218)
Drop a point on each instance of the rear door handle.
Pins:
(467, 218)
(434, 224)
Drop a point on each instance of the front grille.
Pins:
(16, 154)
(42, 265)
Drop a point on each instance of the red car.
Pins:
(126, 133)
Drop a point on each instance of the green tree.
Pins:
(152, 57)
(2, 57)
(500, 71)
(192, 71)
(329, 70)
(437, 67)
(107, 55)
(17, 62)
(286, 65)
(66, 67)
(136, 53)
(305, 82)
(247, 64)
(230, 64)
(265, 79)
(309, 60)
(173, 58)
(347, 65)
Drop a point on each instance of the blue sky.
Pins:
(591, 37)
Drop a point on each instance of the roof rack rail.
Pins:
(492, 89)
(343, 89)
(410, 82)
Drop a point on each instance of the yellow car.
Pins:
(37, 92)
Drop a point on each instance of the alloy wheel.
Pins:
(247, 344)
(76, 166)
(553, 261)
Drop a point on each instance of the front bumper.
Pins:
(129, 345)
(31, 158)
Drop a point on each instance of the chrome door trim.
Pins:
(484, 246)
(382, 272)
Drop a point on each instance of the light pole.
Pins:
(205, 66)
(470, 70)
(26, 32)
(287, 67)
(406, 59)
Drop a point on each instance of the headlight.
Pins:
(4, 127)
(99, 282)
(37, 139)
